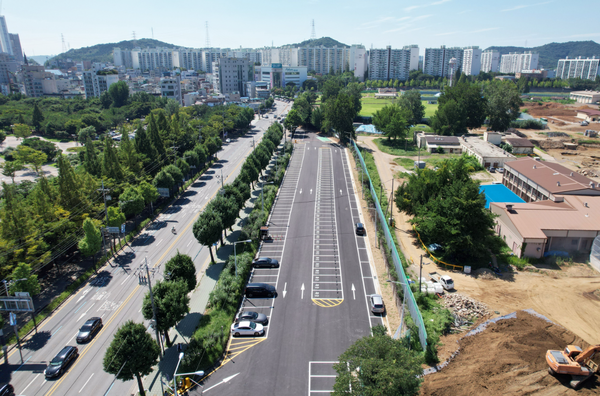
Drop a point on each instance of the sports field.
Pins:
(370, 105)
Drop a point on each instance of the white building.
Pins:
(490, 61)
(320, 59)
(122, 58)
(97, 80)
(170, 88)
(388, 63)
(15, 43)
(231, 75)
(586, 69)
(152, 58)
(359, 61)
(515, 62)
(5, 44)
(437, 60)
(278, 75)
(471, 64)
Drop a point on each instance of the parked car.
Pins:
(247, 328)
(584, 123)
(227, 140)
(89, 329)
(376, 303)
(253, 317)
(7, 390)
(492, 169)
(61, 361)
(265, 262)
(500, 170)
(360, 229)
(260, 290)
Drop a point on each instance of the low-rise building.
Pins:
(520, 145)
(563, 224)
(436, 144)
(534, 180)
(537, 74)
(588, 114)
(585, 96)
(170, 88)
(487, 154)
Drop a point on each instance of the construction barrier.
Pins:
(435, 259)
(411, 304)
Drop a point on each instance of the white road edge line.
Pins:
(86, 382)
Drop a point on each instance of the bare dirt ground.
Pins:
(569, 295)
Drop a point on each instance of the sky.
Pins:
(256, 24)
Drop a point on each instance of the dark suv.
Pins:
(61, 361)
(89, 328)
(7, 390)
(260, 290)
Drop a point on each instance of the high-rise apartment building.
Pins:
(123, 57)
(97, 80)
(490, 60)
(586, 69)
(388, 63)
(321, 59)
(188, 58)
(359, 61)
(437, 60)
(471, 64)
(15, 43)
(152, 58)
(231, 75)
(5, 44)
(514, 62)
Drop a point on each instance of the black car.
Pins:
(260, 290)
(89, 328)
(7, 390)
(265, 262)
(61, 361)
(253, 317)
(360, 229)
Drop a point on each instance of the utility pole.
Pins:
(104, 191)
(392, 204)
(153, 308)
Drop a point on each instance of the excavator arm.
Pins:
(588, 353)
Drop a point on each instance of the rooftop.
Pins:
(574, 213)
(519, 142)
(498, 193)
(551, 176)
(588, 111)
(442, 140)
(483, 148)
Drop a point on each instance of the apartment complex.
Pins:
(490, 61)
(515, 62)
(471, 64)
(231, 75)
(5, 43)
(437, 60)
(388, 63)
(97, 80)
(170, 88)
(586, 69)
(278, 75)
(32, 80)
(321, 59)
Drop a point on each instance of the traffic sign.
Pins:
(163, 192)
(12, 319)
(123, 228)
(113, 230)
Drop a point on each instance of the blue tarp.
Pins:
(368, 129)
(498, 193)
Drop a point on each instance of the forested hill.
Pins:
(324, 41)
(104, 52)
(551, 53)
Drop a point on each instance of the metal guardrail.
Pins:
(411, 303)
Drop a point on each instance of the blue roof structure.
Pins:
(498, 193)
(368, 128)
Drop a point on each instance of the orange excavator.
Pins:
(574, 362)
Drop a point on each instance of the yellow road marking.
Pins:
(87, 348)
(328, 302)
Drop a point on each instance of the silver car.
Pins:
(247, 328)
(376, 303)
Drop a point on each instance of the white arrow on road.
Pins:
(226, 380)
(83, 294)
(285, 290)
(300, 191)
(340, 191)
(302, 288)
(353, 291)
(311, 191)
(85, 313)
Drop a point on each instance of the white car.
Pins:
(247, 328)
(227, 140)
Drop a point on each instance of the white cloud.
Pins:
(526, 6)
(410, 8)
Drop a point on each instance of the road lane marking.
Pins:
(71, 338)
(86, 382)
(158, 243)
(126, 279)
(284, 289)
(55, 331)
(80, 307)
(85, 313)
(302, 288)
(23, 364)
(24, 389)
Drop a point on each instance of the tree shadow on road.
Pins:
(37, 341)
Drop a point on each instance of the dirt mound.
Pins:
(548, 144)
(508, 358)
(548, 109)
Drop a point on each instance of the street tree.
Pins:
(411, 100)
(85, 133)
(171, 302)
(392, 120)
(30, 285)
(504, 102)
(91, 243)
(183, 166)
(91, 163)
(10, 168)
(208, 229)
(175, 172)
(37, 117)
(202, 154)
(119, 92)
(228, 209)
(128, 155)
(131, 354)
(111, 167)
(339, 115)
(192, 158)
(292, 121)
(303, 109)
(131, 202)
(34, 158)
(21, 130)
(231, 191)
(378, 365)
(163, 179)
(148, 192)
(181, 267)
(115, 217)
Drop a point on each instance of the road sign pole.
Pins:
(18, 341)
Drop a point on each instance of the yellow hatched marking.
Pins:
(328, 302)
(230, 354)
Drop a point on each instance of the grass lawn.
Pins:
(370, 105)
(399, 147)
(431, 161)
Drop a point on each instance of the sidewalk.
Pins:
(209, 276)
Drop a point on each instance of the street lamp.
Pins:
(175, 375)
(235, 253)
(402, 314)
(262, 211)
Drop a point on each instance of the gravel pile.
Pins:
(464, 307)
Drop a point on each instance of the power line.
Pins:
(207, 36)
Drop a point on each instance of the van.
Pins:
(260, 290)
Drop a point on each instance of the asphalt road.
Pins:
(116, 294)
(323, 283)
